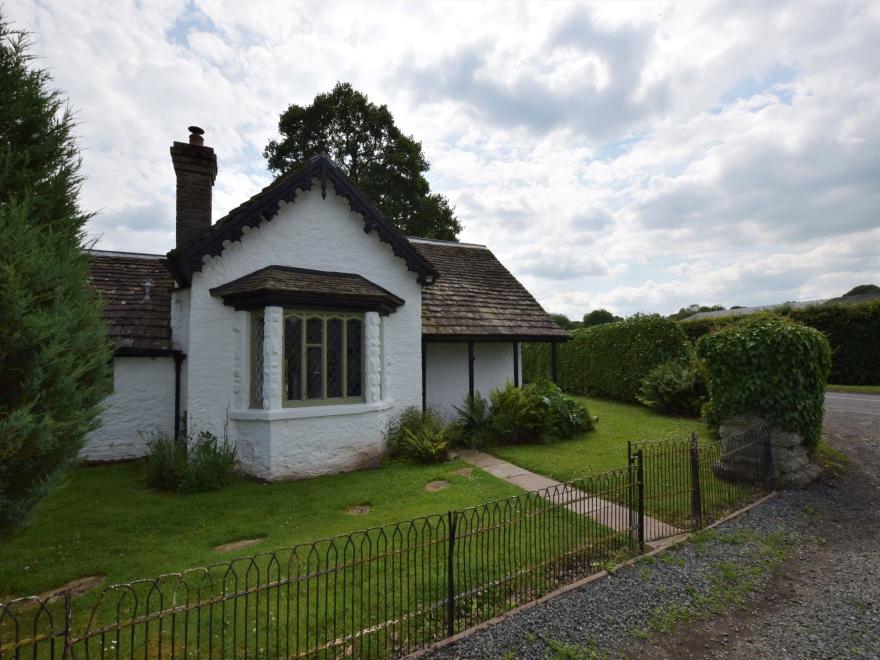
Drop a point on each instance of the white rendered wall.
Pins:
(142, 402)
(447, 372)
(310, 233)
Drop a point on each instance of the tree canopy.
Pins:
(564, 322)
(388, 166)
(54, 354)
(862, 289)
(598, 317)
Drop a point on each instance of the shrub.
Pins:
(852, 330)
(202, 464)
(166, 462)
(473, 422)
(675, 388)
(538, 412)
(420, 437)
(210, 464)
(770, 367)
(611, 359)
(516, 416)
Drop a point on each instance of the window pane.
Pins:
(315, 372)
(315, 331)
(257, 363)
(293, 355)
(353, 346)
(334, 358)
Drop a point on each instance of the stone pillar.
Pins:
(273, 327)
(372, 357)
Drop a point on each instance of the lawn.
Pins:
(604, 448)
(104, 522)
(855, 389)
(386, 589)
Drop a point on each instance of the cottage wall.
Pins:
(322, 234)
(140, 405)
(447, 372)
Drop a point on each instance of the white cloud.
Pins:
(640, 157)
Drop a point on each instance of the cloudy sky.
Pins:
(638, 157)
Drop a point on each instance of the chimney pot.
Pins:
(195, 135)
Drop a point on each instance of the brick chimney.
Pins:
(196, 168)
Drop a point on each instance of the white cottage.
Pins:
(299, 324)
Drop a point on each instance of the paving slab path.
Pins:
(610, 514)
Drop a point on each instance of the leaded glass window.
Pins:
(354, 349)
(323, 358)
(258, 331)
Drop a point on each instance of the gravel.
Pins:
(821, 600)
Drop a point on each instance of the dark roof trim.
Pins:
(458, 339)
(184, 261)
(383, 301)
(128, 351)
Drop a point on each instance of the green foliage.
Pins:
(771, 367)
(166, 462)
(386, 165)
(201, 464)
(675, 387)
(612, 359)
(419, 437)
(854, 334)
(852, 330)
(54, 354)
(564, 322)
(861, 290)
(538, 412)
(598, 317)
(474, 421)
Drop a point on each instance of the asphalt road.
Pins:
(862, 404)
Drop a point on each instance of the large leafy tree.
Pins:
(54, 353)
(599, 317)
(388, 166)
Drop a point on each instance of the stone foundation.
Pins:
(791, 458)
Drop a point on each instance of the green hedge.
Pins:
(611, 359)
(771, 367)
(852, 329)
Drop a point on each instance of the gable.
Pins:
(265, 205)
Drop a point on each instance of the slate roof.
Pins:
(475, 296)
(136, 292)
(280, 284)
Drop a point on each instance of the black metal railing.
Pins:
(390, 590)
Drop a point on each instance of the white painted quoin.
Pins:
(447, 301)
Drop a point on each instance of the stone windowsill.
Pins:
(305, 412)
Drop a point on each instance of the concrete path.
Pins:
(852, 403)
(609, 514)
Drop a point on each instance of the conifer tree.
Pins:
(54, 352)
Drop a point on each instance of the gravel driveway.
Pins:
(796, 577)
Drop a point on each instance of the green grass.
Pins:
(390, 583)
(604, 448)
(857, 389)
(102, 521)
(667, 474)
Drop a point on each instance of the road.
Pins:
(861, 404)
